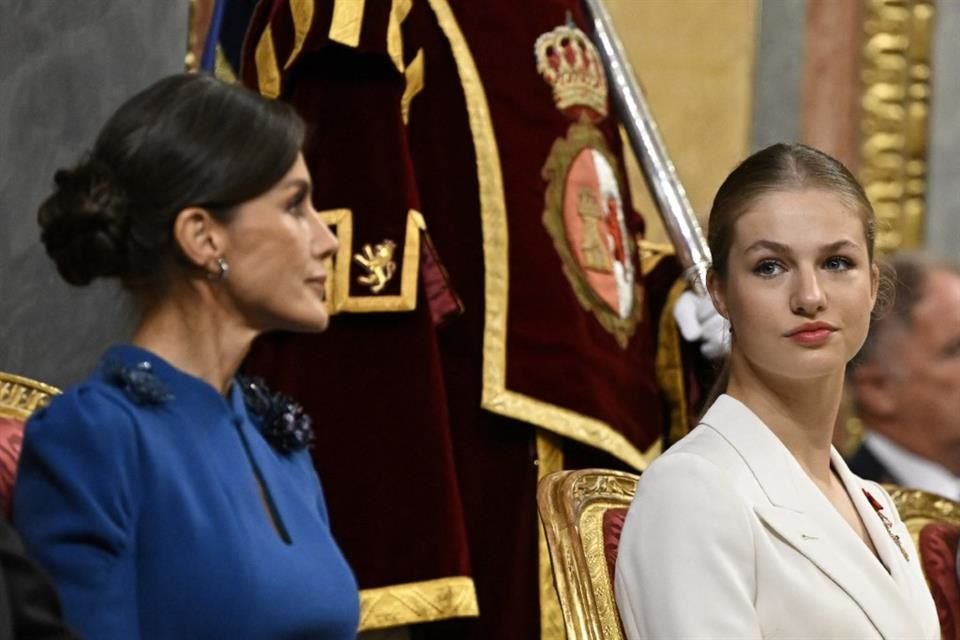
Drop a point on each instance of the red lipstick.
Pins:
(811, 334)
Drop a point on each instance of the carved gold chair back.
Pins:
(19, 396)
(918, 508)
(572, 507)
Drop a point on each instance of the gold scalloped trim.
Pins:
(415, 602)
(347, 22)
(302, 13)
(413, 77)
(268, 72)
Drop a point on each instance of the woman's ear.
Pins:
(201, 237)
(715, 289)
(874, 283)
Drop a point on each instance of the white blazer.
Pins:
(727, 537)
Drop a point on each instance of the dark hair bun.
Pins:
(85, 224)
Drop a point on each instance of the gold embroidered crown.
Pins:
(569, 63)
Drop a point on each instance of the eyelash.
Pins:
(296, 205)
(845, 263)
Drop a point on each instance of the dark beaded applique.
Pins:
(138, 382)
(283, 423)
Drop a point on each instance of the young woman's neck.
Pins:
(192, 330)
(801, 413)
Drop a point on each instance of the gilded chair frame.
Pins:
(20, 396)
(572, 505)
(918, 508)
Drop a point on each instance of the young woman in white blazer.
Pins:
(752, 526)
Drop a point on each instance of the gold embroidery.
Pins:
(338, 286)
(268, 73)
(416, 602)
(621, 315)
(378, 261)
(595, 256)
(570, 64)
(302, 13)
(495, 396)
(549, 460)
(347, 21)
(414, 85)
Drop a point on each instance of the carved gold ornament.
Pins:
(378, 261)
(896, 108)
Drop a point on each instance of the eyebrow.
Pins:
(299, 183)
(777, 247)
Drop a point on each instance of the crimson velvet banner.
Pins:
(496, 315)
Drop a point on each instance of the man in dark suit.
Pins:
(906, 382)
(29, 609)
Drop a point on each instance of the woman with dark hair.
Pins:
(752, 526)
(167, 497)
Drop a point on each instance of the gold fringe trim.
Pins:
(495, 396)
(416, 602)
(549, 460)
(669, 364)
(347, 22)
(302, 12)
(268, 73)
(338, 286)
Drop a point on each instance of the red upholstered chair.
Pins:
(582, 514)
(934, 525)
(19, 397)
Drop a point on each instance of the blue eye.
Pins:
(768, 268)
(838, 263)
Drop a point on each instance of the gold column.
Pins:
(896, 107)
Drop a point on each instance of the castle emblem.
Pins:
(583, 203)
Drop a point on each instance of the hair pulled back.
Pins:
(781, 167)
(188, 140)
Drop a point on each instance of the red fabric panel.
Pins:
(11, 439)
(612, 528)
(396, 400)
(938, 554)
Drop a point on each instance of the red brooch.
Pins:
(886, 523)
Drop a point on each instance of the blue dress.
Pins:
(149, 516)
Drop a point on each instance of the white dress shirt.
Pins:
(911, 470)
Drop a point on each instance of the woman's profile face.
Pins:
(800, 286)
(277, 245)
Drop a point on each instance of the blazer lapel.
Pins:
(797, 511)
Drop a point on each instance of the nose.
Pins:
(324, 243)
(808, 296)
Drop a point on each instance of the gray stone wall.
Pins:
(942, 224)
(778, 74)
(64, 67)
